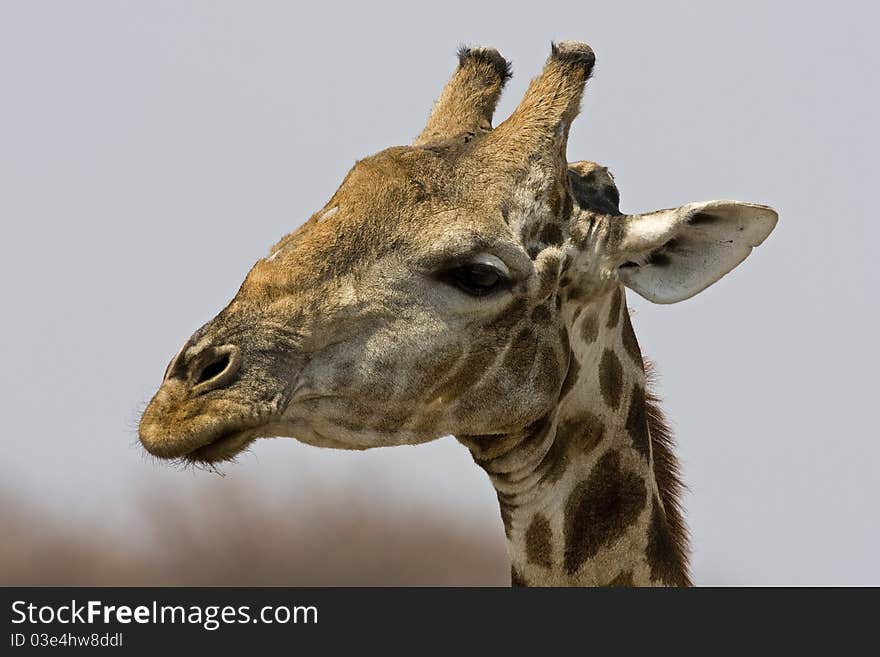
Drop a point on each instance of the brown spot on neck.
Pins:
(630, 343)
(590, 328)
(637, 421)
(623, 580)
(539, 546)
(599, 510)
(575, 436)
(611, 378)
(516, 580)
(583, 431)
(614, 309)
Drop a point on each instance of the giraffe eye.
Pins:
(477, 279)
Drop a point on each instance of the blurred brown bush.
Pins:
(237, 539)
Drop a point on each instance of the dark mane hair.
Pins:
(668, 474)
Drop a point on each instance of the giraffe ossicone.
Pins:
(472, 284)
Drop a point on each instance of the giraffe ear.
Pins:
(670, 255)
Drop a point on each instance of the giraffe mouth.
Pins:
(225, 446)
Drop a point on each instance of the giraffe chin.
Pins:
(223, 448)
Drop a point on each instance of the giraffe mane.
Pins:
(667, 472)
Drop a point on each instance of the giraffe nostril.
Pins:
(214, 369)
(217, 370)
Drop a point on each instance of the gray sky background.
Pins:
(151, 152)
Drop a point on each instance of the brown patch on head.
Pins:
(614, 311)
(470, 370)
(541, 314)
(521, 353)
(443, 361)
(637, 422)
(590, 328)
(599, 510)
(510, 317)
(630, 343)
(516, 580)
(539, 548)
(343, 374)
(611, 378)
(383, 379)
(623, 580)
(662, 552)
(547, 375)
(550, 234)
(576, 292)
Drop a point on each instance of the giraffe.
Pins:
(473, 284)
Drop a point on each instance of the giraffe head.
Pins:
(434, 293)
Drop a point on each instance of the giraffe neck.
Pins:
(577, 489)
